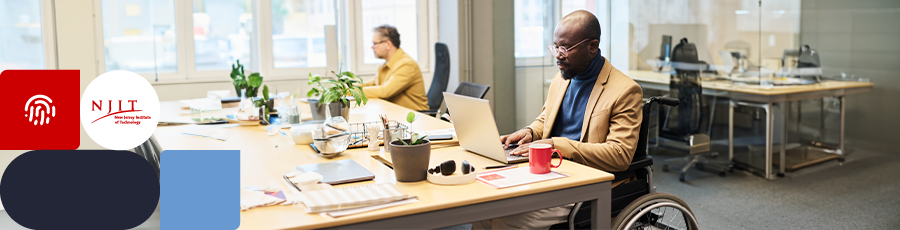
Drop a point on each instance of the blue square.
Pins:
(199, 189)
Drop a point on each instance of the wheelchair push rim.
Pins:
(659, 212)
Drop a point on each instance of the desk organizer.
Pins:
(359, 135)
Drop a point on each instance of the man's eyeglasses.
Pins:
(557, 50)
(378, 43)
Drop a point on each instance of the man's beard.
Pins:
(575, 69)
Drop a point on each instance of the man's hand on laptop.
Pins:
(523, 148)
(519, 137)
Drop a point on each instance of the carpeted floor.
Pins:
(859, 194)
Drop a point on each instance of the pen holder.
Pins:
(358, 132)
(392, 134)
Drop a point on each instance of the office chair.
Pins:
(151, 151)
(440, 79)
(472, 89)
(637, 203)
(466, 89)
(688, 118)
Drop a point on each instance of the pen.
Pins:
(499, 166)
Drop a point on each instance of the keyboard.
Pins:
(513, 157)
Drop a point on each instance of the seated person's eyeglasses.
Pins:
(557, 50)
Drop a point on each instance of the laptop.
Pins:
(476, 130)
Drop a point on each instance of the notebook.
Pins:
(351, 197)
(338, 172)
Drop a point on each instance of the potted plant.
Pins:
(248, 87)
(410, 157)
(238, 79)
(336, 95)
(263, 103)
(241, 82)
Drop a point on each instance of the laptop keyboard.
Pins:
(512, 157)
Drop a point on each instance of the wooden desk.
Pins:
(765, 97)
(266, 158)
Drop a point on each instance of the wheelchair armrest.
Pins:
(635, 165)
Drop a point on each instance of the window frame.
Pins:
(553, 8)
(48, 34)
(266, 54)
(347, 24)
(48, 27)
(180, 75)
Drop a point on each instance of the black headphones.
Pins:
(443, 173)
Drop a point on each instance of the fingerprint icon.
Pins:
(39, 110)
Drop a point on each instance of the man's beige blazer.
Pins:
(612, 120)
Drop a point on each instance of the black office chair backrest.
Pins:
(472, 89)
(685, 85)
(642, 150)
(441, 76)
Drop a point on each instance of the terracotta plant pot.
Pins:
(410, 161)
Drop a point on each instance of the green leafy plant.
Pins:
(240, 81)
(345, 86)
(414, 138)
(237, 77)
(261, 102)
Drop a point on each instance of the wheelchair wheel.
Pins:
(656, 211)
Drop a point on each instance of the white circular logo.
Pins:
(119, 110)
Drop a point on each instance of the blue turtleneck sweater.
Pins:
(571, 112)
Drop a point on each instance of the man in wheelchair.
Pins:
(592, 114)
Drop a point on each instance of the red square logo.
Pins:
(40, 109)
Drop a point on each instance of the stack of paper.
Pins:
(351, 197)
(253, 199)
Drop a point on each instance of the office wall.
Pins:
(493, 60)
(860, 38)
(448, 33)
(531, 91)
(75, 46)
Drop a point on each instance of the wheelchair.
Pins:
(637, 205)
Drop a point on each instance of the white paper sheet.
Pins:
(514, 177)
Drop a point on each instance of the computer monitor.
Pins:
(665, 50)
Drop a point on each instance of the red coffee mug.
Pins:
(539, 158)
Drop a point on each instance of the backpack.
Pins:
(684, 52)
(808, 57)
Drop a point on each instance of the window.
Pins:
(198, 40)
(529, 32)
(398, 13)
(22, 35)
(222, 31)
(298, 32)
(140, 36)
(568, 6)
(535, 21)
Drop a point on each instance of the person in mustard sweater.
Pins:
(399, 80)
